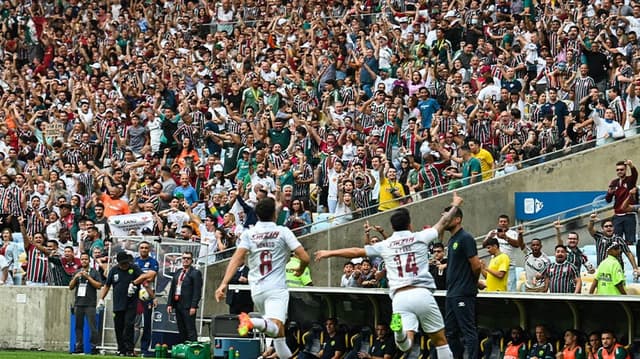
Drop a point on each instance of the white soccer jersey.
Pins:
(269, 248)
(406, 258)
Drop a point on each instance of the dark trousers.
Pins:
(145, 340)
(90, 312)
(460, 323)
(625, 226)
(123, 322)
(186, 324)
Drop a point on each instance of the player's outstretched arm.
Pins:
(234, 263)
(344, 252)
(448, 216)
(304, 258)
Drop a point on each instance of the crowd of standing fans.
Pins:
(193, 111)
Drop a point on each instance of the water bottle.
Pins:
(237, 356)
(232, 353)
(158, 350)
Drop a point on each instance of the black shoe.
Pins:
(78, 352)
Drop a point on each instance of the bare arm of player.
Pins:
(234, 263)
(344, 252)
(304, 258)
(447, 217)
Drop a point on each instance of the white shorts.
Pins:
(272, 304)
(417, 306)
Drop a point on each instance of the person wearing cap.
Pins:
(219, 182)
(609, 278)
(125, 278)
(383, 78)
(605, 237)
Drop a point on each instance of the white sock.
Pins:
(280, 345)
(402, 341)
(266, 326)
(259, 324)
(444, 352)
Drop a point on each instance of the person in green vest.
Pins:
(293, 280)
(609, 278)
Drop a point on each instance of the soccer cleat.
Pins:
(245, 324)
(396, 322)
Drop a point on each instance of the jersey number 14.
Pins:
(410, 266)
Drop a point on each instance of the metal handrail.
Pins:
(442, 189)
(548, 222)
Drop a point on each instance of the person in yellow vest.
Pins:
(609, 278)
(517, 347)
(497, 272)
(572, 349)
(611, 349)
(293, 280)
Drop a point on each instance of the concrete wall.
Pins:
(586, 171)
(35, 317)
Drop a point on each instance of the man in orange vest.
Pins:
(611, 349)
(572, 350)
(516, 348)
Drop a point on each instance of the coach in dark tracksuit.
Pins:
(184, 296)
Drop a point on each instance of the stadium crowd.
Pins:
(194, 111)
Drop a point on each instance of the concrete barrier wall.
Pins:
(585, 171)
(35, 317)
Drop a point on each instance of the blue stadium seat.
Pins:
(589, 249)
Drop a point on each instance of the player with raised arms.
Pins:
(406, 255)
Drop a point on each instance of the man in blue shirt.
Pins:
(149, 265)
(556, 108)
(427, 106)
(368, 71)
(186, 190)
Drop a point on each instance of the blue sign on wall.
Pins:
(536, 205)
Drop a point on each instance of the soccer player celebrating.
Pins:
(410, 283)
(269, 247)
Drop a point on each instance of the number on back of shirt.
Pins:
(406, 263)
(265, 262)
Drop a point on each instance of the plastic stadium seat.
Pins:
(361, 341)
(294, 340)
(312, 339)
(589, 249)
(493, 345)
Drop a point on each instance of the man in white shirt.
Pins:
(410, 282)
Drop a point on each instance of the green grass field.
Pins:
(26, 354)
